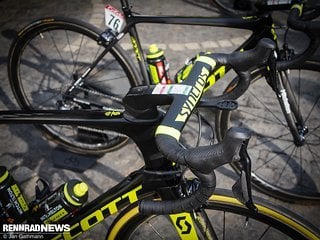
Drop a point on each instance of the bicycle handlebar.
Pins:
(203, 160)
(296, 23)
(311, 28)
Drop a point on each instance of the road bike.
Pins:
(82, 67)
(157, 200)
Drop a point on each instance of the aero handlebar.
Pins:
(203, 160)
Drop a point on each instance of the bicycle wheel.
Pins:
(280, 167)
(45, 62)
(224, 215)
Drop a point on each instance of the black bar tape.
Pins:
(296, 23)
(243, 63)
(311, 28)
(202, 161)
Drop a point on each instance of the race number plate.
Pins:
(114, 19)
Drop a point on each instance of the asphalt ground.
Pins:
(28, 155)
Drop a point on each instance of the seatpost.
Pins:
(126, 8)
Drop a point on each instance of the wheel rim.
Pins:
(277, 163)
(55, 58)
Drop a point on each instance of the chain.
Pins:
(96, 130)
(99, 93)
(103, 95)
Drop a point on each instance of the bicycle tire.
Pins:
(47, 56)
(270, 221)
(279, 167)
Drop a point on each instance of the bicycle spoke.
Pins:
(100, 68)
(155, 230)
(274, 157)
(269, 139)
(59, 53)
(315, 157)
(312, 108)
(266, 107)
(252, 114)
(40, 104)
(301, 165)
(265, 232)
(289, 158)
(71, 52)
(224, 225)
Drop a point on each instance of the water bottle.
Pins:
(157, 65)
(13, 206)
(65, 201)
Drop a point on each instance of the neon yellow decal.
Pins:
(248, 17)
(273, 32)
(184, 226)
(112, 113)
(194, 96)
(135, 48)
(20, 198)
(162, 129)
(219, 73)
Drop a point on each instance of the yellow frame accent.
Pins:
(4, 176)
(299, 7)
(192, 235)
(207, 60)
(162, 129)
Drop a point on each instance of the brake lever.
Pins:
(242, 187)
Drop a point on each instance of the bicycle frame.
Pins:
(130, 190)
(261, 26)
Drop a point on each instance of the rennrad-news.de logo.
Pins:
(35, 228)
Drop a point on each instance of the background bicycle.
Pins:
(17, 142)
(57, 63)
(209, 156)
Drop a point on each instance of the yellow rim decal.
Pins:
(122, 222)
(269, 212)
(168, 131)
(184, 225)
